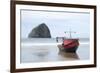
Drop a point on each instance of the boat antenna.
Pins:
(70, 33)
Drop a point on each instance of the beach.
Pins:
(46, 50)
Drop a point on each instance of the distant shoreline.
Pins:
(46, 41)
(26, 39)
(49, 44)
(51, 38)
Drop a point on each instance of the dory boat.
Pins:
(69, 45)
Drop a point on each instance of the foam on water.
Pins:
(47, 41)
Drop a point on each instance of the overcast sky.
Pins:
(57, 22)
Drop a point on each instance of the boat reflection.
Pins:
(73, 56)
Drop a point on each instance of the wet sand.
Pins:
(48, 53)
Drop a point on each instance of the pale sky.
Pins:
(57, 22)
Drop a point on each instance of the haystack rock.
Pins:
(41, 31)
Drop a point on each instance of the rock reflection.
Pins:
(69, 55)
(41, 53)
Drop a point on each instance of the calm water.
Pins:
(44, 50)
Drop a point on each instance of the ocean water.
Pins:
(46, 50)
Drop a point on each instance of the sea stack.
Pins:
(41, 31)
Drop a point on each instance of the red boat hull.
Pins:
(69, 45)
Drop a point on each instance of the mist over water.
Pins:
(46, 50)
